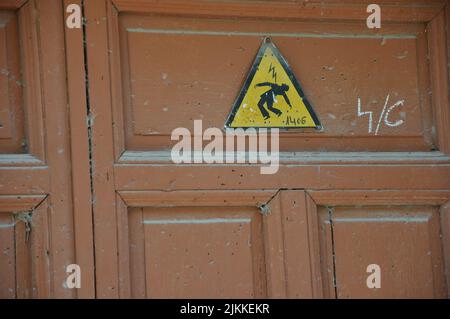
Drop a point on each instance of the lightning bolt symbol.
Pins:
(274, 73)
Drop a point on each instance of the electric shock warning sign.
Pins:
(271, 96)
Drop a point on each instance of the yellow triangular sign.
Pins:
(271, 96)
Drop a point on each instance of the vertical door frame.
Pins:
(81, 177)
(341, 197)
(45, 172)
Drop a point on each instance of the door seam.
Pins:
(89, 128)
(333, 251)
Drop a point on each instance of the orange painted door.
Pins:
(365, 196)
(357, 209)
(37, 223)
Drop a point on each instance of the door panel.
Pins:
(200, 253)
(24, 244)
(334, 66)
(405, 242)
(89, 161)
(402, 232)
(214, 244)
(154, 67)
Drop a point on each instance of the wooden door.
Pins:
(370, 188)
(37, 223)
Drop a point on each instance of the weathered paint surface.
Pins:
(371, 187)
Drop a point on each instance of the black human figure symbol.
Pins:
(269, 96)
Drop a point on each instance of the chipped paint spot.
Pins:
(402, 55)
(331, 116)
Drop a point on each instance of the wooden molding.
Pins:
(20, 203)
(12, 4)
(33, 270)
(164, 157)
(296, 176)
(445, 222)
(46, 19)
(196, 198)
(275, 251)
(19, 160)
(20, 180)
(439, 79)
(393, 11)
(116, 79)
(32, 78)
(76, 90)
(379, 197)
(314, 242)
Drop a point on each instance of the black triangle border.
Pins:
(268, 43)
